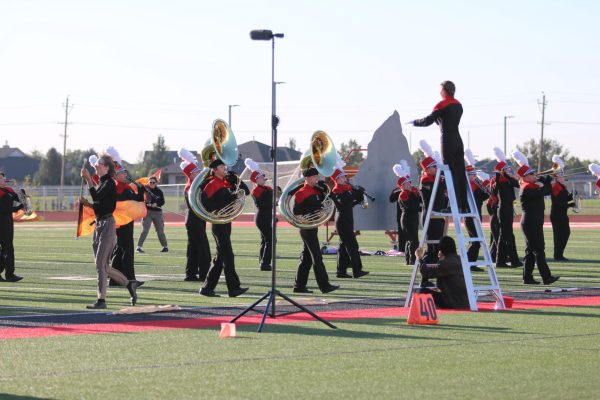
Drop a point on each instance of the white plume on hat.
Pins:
(520, 158)
(500, 156)
(187, 155)
(557, 160)
(594, 169)
(339, 162)
(405, 166)
(93, 159)
(469, 157)
(425, 148)
(252, 165)
(399, 171)
(483, 176)
(437, 157)
(114, 154)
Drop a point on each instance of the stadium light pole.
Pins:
(505, 118)
(265, 35)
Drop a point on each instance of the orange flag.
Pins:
(126, 211)
(157, 174)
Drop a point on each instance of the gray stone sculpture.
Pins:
(387, 147)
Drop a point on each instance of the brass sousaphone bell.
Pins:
(322, 156)
(224, 147)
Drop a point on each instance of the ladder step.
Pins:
(478, 264)
(485, 288)
(432, 241)
(437, 214)
(475, 239)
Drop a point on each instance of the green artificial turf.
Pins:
(547, 353)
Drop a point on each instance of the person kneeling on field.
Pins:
(451, 291)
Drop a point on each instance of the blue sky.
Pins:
(136, 69)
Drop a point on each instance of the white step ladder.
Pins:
(473, 292)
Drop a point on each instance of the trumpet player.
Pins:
(532, 221)
(307, 199)
(155, 199)
(561, 201)
(345, 197)
(217, 194)
(263, 199)
(480, 194)
(409, 201)
(9, 203)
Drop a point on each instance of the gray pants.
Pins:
(105, 240)
(156, 217)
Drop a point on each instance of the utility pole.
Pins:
(64, 154)
(544, 104)
(505, 118)
(230, 107)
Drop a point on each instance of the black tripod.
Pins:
(273, 292)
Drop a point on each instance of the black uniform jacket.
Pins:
(308, 199)
(104, 196)
(218, 193)
(263, 199)
(450, 280)
(441, 201)
(8, 197)
(504, 188)
(532, 201)
(157, 197)
(561, 199)
(446, 114)
(345, 198)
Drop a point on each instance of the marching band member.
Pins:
(400, 237)
(345, 197)
(492, 209)
(480, 195)
(410, 201)
(123, 257)
(104, 197)
(217, 194)
(561, 201)
(198, 248)
(155, 199)
(447, 114)
(307, 199)
(436, 225)
(595, 170)
(504, 188)
(9, 203)
(263, 199)
(532, 221)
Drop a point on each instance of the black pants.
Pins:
(198, 250)
(561, 232)
(434, 232)
(494, 235)
(401, 236)
(534, 248)
(266, 248)
(410, 227)
(123, 255)
(473, 252)
(348, 254)
(311, 257)
(7, 250)
(453, 153)
(223, 260)
(506, 238)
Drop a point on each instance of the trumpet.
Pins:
(479, 183)
(364, 204)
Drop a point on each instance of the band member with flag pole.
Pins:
(504, 188)
(447, 114)
(155, 199)
(480, 195)
(307, 199)
(436, 225)
(123, 256)
(561, 199)
(104, 197)
(217, 194)
(9, 203)
(345, 196)
(198, 247)
(532, 221)
(263, 200)
(410, 201)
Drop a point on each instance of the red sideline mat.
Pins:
(210, 322)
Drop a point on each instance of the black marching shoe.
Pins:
(502, 265)
(330, 288)
(551, 280)
(343, 275)
(237, 292)
(13, 278)
(208, 293)
(265, 267)
(139, 250)
(192, 279)
(361, 273)
(516, 264)
(530, 281)
(131, 287)
(302, 290)
(475, 268)
(560, 258)
(99, 304)
(165, 250)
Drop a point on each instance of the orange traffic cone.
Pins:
(422, 310)
(227, 330)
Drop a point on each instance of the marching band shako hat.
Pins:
(525, 170)
(337, 173)
(188, 168)
(428, 162)
(501, 158)
(402, 180)
(254, 176)
(116, 159)
(402, 172)
(470, 170)
(470, 159)
(500, 166)
(254, 167)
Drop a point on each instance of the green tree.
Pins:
(356, 158)
(50, 166)
(531, 150)
(155, 159)
(73, 163)
(292, 144)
